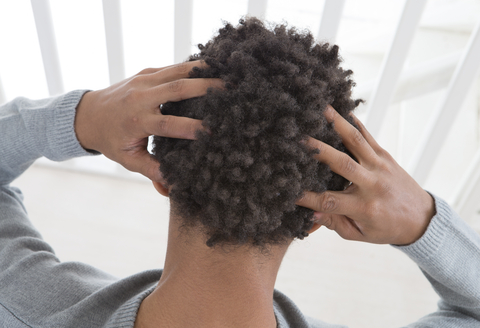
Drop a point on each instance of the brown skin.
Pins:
(216, 288)
(200, 286)
(383, 205)
(205, 287)
(118, 120)
(229, 287)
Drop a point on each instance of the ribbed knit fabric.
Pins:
(124, 316)
(39, 291)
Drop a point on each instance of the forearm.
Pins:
(34, 128)
(449, 256)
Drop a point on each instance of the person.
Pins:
(217, 275)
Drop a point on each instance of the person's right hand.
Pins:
(383, 205)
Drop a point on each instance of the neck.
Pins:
(212, 287)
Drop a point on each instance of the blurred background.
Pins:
(415, 62)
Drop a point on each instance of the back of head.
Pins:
(239, 182)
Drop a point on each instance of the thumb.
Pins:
(145, 164)
(342, 225)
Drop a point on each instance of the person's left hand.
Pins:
(383, 205)
(118, 120)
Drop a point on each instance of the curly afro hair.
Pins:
(240, 181)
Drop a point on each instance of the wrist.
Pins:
(83, 121)
(426, 211)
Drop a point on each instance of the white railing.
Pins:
(393, 64)
(183, 30)
(395, 83)
(257, 8)
(330, 21)
(48, 46)
(444, 116)
(114, 40)
(3, 98)
(466, 197)
(417, 80)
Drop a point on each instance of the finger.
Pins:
(152, 70)
(333, 202)
(175, 72)
(345, 227)
(181, 89)
(352, 138)
(172, 126)
(368, 137)
(338, 161)
(144, 163)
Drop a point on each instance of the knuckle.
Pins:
(382, 153)
(131, 96)
(176, 86)
(383, 166)
(347, 165)
(357, 138)
(328, 223)
(382, 187)
(360, 125)
(148, 70)
(137, 82)
(164, 125)
(328, 202)
(182, 68)
(138, 79)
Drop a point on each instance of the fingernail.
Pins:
(317, 216)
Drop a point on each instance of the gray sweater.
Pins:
(37, 290)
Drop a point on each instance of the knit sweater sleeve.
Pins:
(34, 128)
(36, 289)
(448, 254)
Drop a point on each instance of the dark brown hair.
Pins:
(240, 181)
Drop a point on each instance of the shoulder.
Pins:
(289, 315)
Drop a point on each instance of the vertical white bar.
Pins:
(3, 98)
(182, 30)
(392, 65)
(48, 45)
(112, 17)
(332, 13)
(419, 79)
(466, 197)
(257, 8)
(444, 116)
